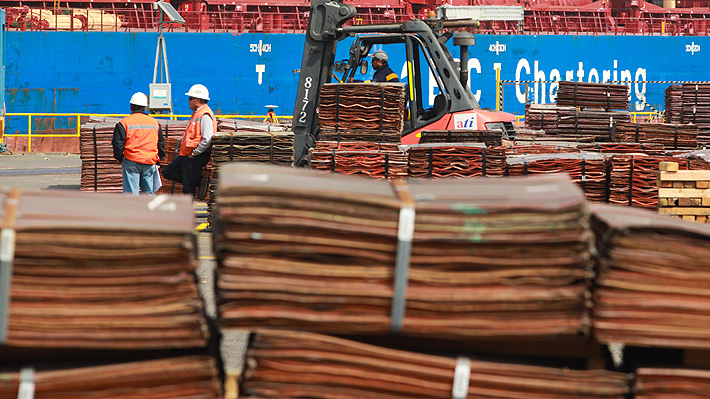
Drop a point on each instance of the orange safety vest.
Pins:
(193, 131)
(141, 144)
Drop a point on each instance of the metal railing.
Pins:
(29, 135)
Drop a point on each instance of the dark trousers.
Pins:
(187, 171)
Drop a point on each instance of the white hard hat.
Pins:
(198, 91)
(139, 99)
(380, 55)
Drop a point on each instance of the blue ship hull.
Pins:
(96, 72)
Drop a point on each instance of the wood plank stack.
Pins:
(588, 170)
(671, 383)
(488, 137)
(285, 364)
(674, 104)
(443, 160)
(84, 277)
(542, 117)
(379, 160)
(362, 112)
(187, 377)
(632, 179)
(653, 284)
(684, 194)
(305, 250)
(595, 123)
(604, 96)
(672, 136)
(99, 169)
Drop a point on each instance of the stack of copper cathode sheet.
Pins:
(488, 137)
(85, 277)
(672, 136)
(623, 148)
(671, 383)
(653, 283)
(632, 179)
(589, 122)
(362, 112)
(542, 116)
(382, 160)
(172, 150)
(186, 377)
(250, 146)
(587, 169)
(100, 171)
(285, 364)
(593, 95)
(441, 160)
(696, 108)
(305, 250)
(674, 104)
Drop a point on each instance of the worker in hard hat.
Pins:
(138, 144)
(195, 146)
(383, 72)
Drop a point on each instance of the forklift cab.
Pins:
(419, 65)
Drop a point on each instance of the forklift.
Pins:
(424, 42)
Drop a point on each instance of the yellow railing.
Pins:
(78, 116)
(652, 115)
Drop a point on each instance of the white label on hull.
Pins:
(692, 48)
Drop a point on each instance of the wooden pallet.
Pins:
(684, 194)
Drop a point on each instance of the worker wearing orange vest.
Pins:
(138, 145)
(195, 146)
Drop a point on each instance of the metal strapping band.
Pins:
(332, 161)
(631, 180)
(462, 374)
(231, 147)
(525, 166)
(382, 110)
(337, 109)
(575, 94)
(96, 163)
(483, 162)
(387, 164)
(27, 383)
(675, 138)
(584, 177)
(7, 255)
(405, 234)
(576, 117)
(637, 132)
(431, 162)
(271, 148)
(608, 99)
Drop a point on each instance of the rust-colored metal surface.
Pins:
(589, 122)
(487, 137)
(674, 104)
(191, 377)
(362, 112)
(588, 170)
(301, 249)
(287, 364)
(653, 285)
(593, 95)
(632, 179)
(380, 160)
(542, 116)
(103, 271)
(669, 383)
(672, 136)
(443, 160)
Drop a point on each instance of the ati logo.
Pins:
(466, 121)
(692, 48)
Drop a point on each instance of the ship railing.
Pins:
(77, 117)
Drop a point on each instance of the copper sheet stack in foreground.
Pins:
(382, 160)
(593, 95)
(441, 160)
(598, 124)
(99, 169)
(671, 383)
(102, 271)
(653, 284)
(285, 364)
(588, 170)
(672, 136)
(362, 112)
(300, 249)
(189, 377)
